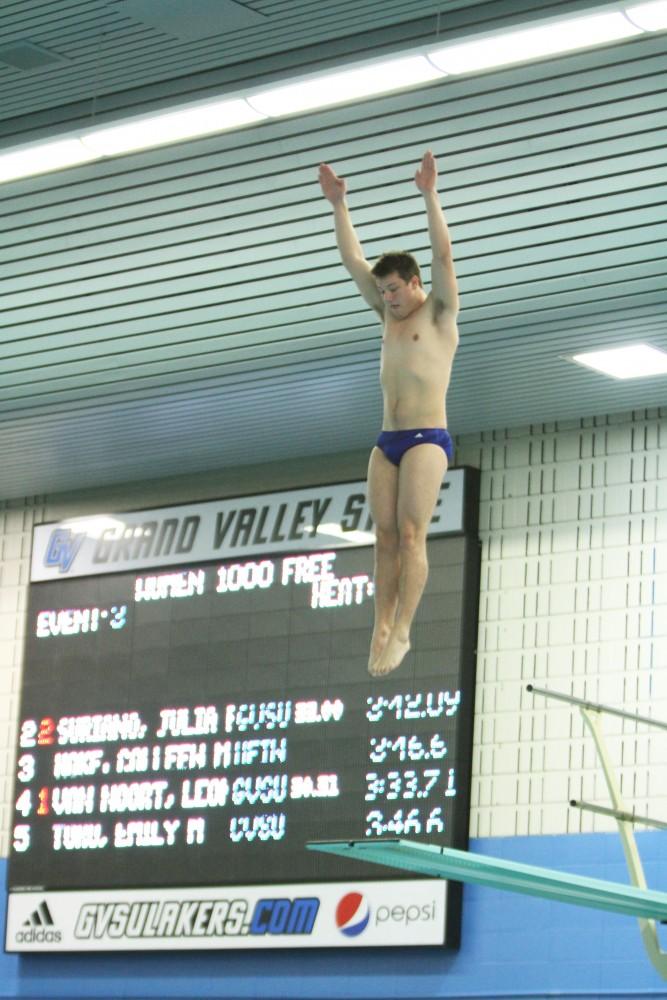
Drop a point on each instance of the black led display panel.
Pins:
(197, 725)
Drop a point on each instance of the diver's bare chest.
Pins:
(409, 343)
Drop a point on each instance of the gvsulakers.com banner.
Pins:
(322, 517)
(365, 914)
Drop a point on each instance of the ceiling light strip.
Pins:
(537, 42)
(630, 361)
(327, 89)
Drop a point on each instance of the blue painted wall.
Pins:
(512, 946)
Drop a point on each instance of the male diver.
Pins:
(409, 461)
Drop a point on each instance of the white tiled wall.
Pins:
(573, 597)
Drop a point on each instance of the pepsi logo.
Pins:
(352, 914)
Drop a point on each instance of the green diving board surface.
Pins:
(463, 866)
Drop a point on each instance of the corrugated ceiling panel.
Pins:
(197, 288)
(108, 50)
(115, 61)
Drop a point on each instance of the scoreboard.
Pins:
(196, 707)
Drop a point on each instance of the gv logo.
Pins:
(62, 549)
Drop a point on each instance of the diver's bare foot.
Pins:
(379, 640)
(391, 656)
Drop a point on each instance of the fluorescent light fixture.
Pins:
(335, 87)
(649, 16)
(633, 361)
(94, 526)
(174, 126)
(533, 43)
(353, 537)
(346, 85)
(42, 157)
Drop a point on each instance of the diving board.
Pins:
(464, 866)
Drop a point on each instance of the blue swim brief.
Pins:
(394, 444)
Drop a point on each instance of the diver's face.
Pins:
(400, 297)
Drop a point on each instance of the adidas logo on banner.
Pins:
(39, 927)
(41, 917)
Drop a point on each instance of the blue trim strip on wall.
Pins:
(512, 946)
